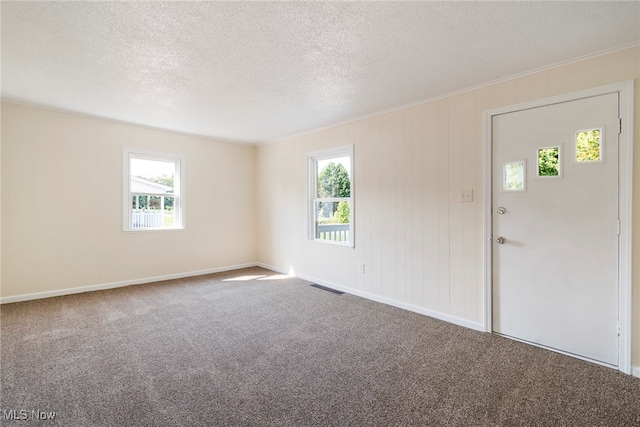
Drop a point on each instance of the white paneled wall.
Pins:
(422, 248)
(418, 243)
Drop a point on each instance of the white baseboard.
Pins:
(635, 370)
(395, 303)
(384, 300)
(271, 267)
(103, 286)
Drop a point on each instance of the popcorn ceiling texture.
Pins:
(258, 71)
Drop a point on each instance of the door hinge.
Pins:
(618, 327)
(618, 227)
(619, 126)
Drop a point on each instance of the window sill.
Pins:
(151, 230)
(333, 243)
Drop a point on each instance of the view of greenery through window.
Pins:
(332, 214)
(588, 146)
(548, 161)
(333, 181)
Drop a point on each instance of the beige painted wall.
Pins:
(62, 204)
(421, 247)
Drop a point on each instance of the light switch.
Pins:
(465, 195)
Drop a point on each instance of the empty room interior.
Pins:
(320, 213)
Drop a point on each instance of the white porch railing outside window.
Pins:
(142, 219)
(334, 232)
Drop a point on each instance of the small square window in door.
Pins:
(588, 146)
(514, 174)
(548, 162)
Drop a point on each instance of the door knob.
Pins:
(501, 240)
(501, 211)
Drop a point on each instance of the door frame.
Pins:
(625, 203)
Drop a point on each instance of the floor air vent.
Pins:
(324, 288)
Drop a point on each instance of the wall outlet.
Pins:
(465, 195)
(361, 268)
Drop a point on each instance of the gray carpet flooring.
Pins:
(217, 351)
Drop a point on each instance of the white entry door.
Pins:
(555, 226)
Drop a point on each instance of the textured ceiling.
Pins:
(257, 71)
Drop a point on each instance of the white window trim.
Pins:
(178, 194)
(312, 173)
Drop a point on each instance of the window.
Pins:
(331, 196)
(153, 191)
(588, 146)
(514, 176)
(549, 161)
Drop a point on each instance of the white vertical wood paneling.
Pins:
(482, 103)
(471, 149)
(456, 209)
(583, 75)
(387, 174)
(504, 93)
(633, 66)
(375, 265)
(526, 89)
(556, 81)
(409, 201)
(399, 211)
(444, 218)
(418, 220)
(431, 207)
(362, 203)
(541, 85)
(614, 67)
